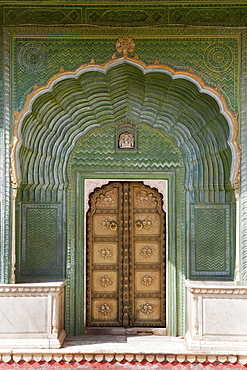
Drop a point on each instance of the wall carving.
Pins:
(179, 53)
(211, 240)
(209, 15)
(32, 57)
(128, 15)
(42, 15)
(32, 288)
(218, 57)
(145, 107)
(41, 247)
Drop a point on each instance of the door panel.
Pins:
(104, 267)
(126, 256)
(147, 239)
(105, 311)
(147, 252)
(105, 253)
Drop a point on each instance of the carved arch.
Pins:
(56, 115)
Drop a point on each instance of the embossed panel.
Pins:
(105, 281)
(125, 256)
(211, 239)
(147, 252)
(146, 224)
(147, 281)
(41, 248)
(147, 310)
(105, 225)
(105, 311)
(105, 253)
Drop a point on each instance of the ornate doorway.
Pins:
(126, 256)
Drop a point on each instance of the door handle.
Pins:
(139, 224)
(113, 225)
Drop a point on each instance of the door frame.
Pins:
(171, 301)
(159, 191)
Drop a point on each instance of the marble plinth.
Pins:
(217, 315)
(32, 315)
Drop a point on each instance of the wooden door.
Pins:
(126, 256)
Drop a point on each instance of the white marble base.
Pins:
(32, 315)
(217, 315)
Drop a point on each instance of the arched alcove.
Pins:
(174, 115)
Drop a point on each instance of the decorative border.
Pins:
(6, 237)
(63, 358)
(9, 289)
(170, 12)
(197, 289)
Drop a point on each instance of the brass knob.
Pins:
(113, 225)
(139, 224)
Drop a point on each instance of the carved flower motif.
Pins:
(105, 253)
(145, 198)
(147, 280)
(147, 224)
(147, 252)
(106, 199)
(105, 281)
(125, 45)
(147, 308)
(104, 309)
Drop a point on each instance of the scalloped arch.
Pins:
(56, 115)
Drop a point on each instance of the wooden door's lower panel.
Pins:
(105, 311)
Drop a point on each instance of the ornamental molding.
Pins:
(9, 289)
(134, 61)
(67, 357)
(216, 290)
(125, 45)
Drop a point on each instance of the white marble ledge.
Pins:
(215, 287)
(216, 316)
(32, 315)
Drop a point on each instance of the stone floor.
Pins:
(125, 344)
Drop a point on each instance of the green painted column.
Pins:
(243, 128)
(5, 189)
(2, 170)
(1, 199)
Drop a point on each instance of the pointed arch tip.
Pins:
(156, 66)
